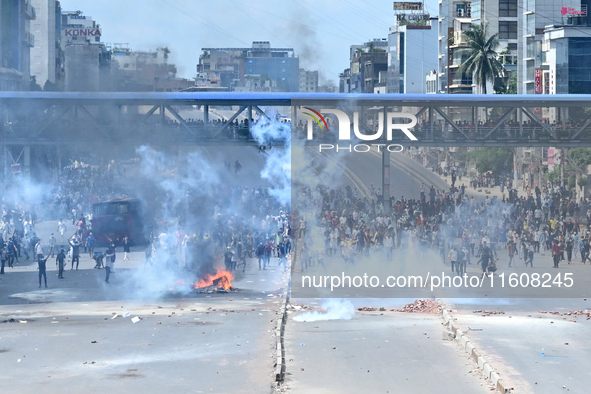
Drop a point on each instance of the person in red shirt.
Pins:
(556, 252)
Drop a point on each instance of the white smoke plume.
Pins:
(336, 309)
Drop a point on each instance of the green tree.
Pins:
(482, 62)
(491, 159)
(581, 156)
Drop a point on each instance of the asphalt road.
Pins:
(377, 352)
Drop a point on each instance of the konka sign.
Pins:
(83, 32)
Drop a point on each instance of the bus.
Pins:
(116, 219)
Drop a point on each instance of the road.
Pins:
(378, 352)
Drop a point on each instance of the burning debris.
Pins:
(421, 306)
(220, 282)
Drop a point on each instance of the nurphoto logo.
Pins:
(344, 129)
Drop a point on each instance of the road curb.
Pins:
(280, 366)
(486, 369)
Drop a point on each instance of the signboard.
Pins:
(571, 11)
(15, 168)
(538, 81)
(411, 17)
(408, 6)
(82, 32)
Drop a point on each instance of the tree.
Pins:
(482, 62)
(581, 157)
(491, 159)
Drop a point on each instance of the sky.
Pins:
(320, 31)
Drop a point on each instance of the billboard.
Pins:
(82, 32)
(408, 6)
(538, 81)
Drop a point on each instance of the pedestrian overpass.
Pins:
(69, 118)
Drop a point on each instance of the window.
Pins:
(507, 8)
(512, 47)
(507, 30)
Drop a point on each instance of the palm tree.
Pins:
(482, 61)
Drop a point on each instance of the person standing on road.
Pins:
(453, 257)
(556, 252)
(75, 251)
(3, 259)
(109, 262)
(52, 245)
(90, 240)
(42, 268)
(61, 228)
(60, 260)
(126, 248)
(260, 253)
(569, 249)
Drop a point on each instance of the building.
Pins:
(412, 55)
(47, 56)
(77, 28)
(308, 81)
(534, 16)
(277, 68)
(454, 19)
(366, 62)
(16, 41)
(141, 71)
(345, 81)
(501, 17)
(566, 66)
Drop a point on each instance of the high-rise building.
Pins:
(412, 55)
(455, 18)
(259, 68)
(566, 66)
(47, 57)
(501, 18)
(308, 81)
(78, 29)
(16, 41)
(534, 16)
(366, 62)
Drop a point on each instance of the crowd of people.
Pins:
(459, 228)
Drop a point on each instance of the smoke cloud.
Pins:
(336, 309)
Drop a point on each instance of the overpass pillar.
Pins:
(27, 160)
(206, 114)
(386, 179)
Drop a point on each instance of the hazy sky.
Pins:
(320, 31)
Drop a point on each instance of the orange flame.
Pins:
(221, 279)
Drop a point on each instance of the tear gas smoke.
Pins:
(336, 309)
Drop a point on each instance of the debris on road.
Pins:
(488, 313)
(421, 306)
(135, 319)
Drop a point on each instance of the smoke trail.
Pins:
(277, 168)
(336, 309)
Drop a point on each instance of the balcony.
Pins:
(29, 11)
(460, 39)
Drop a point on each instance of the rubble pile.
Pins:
(421, 306)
